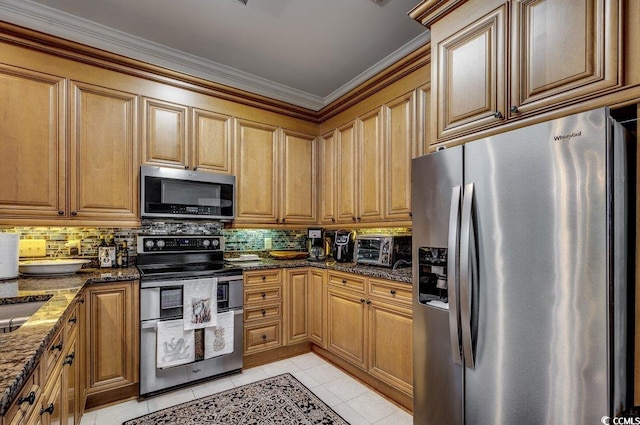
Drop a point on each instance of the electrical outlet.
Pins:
(74, 246)
(267, 243)
(33, 247)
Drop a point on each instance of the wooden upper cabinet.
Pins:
(369, 156)
(299, 178)
(423, 120)
(32, 164)
(346, 173)
(399, 150)
(164, 134)
(562, 50)
(327, 167)
(495, 61)
(257, 172)
(103, 166)
(470, 75)
(212, 141)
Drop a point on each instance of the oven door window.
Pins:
(223, 296)
(171, 302)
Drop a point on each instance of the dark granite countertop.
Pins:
(401, 274)
(20, 350)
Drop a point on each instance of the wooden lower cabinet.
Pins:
(262, 310)
(372, 328)
(296, 306)
(317, 307)
(347, 330)
(112, 339)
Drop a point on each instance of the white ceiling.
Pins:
(304, 52)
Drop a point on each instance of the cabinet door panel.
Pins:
(471, 75)
(112, 347)
(164, 135)
(317, 307)
(562, 50)
(257, 172)
(212, 141)
(347, 169)
(391, 356)
(296, 307)
(399, 148)
(33, 143)
(328, 170)
(298, 178)
(371, 169)
(346, 332)
(103, 147)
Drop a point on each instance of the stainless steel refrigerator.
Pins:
(520, 279)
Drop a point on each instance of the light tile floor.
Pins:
(352, 400)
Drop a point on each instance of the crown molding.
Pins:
(53, 22)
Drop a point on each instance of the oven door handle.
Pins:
(149, 324)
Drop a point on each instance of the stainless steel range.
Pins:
(180, 275)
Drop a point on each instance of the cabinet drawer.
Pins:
(391, 291)
(343, 280)
(262, 277)
(27, 400)
(262, 295)
(262, 337)
(269, 312)
(52, 354)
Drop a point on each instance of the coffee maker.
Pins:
(343, 246)
(316, 247)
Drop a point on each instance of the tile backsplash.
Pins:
(236, 240)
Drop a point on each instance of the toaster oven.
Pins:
(382, 250)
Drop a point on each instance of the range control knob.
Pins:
(160, 244)
(215, 243)
(148, 243)
(206, 243)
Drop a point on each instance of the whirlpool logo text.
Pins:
(606, 420)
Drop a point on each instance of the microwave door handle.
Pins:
(468, 274)
(452, 275)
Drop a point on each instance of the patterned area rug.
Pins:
(279, 400)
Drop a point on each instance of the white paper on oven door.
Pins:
(200, 308)
(175, 345)
(218, 340)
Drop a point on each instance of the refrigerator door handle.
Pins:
(452, 275)
(467, 274)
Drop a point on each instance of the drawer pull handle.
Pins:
(60, 212)
(361, 300)
(73, 320)
(264, 337)
(58, 346)
(69, 359)
(264, 278)
(368, 301)
(31, 398)
(48, 410)
(393, 292)
(81, 300)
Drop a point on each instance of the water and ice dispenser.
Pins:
(432, 274)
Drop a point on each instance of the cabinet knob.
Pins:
(333, 220)
(264, 278)
(498, 115)
(353, 219)
(264, 312)
(514, 109)
(393, 292)
(48, 410)
(264, 337)
(264, 295)
(69, 359)
(81, 300)
(362, 300)
(74, 213)
(344, 281)
(283, 220)
(368, 301)
(31, 398)
(410, 214)
(60, 212)
(277, 219)
(359, 218)
(186, 167)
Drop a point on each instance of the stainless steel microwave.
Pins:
(382, 250)
(174, 193)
